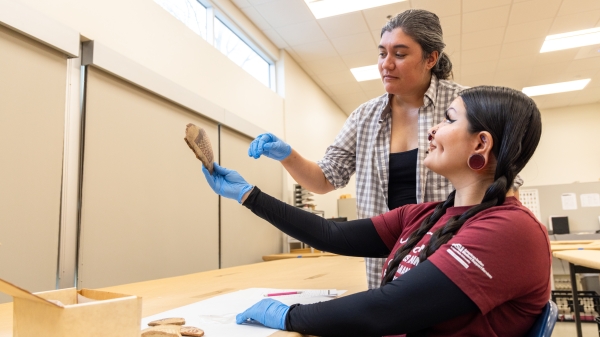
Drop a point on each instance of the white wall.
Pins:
(312, 120)
(569, 150)
(147, 34)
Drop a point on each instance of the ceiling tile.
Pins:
(533, 10)
(547, 74)
(512, 63)
(520, 48)
(281, 13)
(455, 58)
(587, 96)
(453, 44)
(354, 43)
(584, 68)
(301, 33)
(315, 50)
(377, 17)
(361, 59)
(241, 3)
(480, 54)
(477, 79)
(275, 38)
(578, 6)
(515, 78)
(344, 25)
(294, 55)
(259, 2)
(528, 30)
(478, 68)
(256, 18)
(484, 38)
(558, 100)
(346, 88)
(352, 100)
(337, 77)
(451, 25)
(476, 5)
(376, 34)
(327, 65)
(579, 21)
(371, 85)
(441, 8)
(485, 19)
(375, 93)
(588, 51)
(555, 56)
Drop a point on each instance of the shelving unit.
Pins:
(303, 200)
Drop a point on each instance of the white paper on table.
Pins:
(569, 201)
(590, 200)
(216, 315)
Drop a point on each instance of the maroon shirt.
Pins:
(500, 258)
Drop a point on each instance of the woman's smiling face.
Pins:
(451, 143)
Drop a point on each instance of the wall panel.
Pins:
(147, 212)
(245, 238)
(32, 106)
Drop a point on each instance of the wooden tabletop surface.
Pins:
(574, 245)
(339, 272)
(585, 258)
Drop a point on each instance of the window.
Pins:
(194, 15)
(240, 53)
(190, 12)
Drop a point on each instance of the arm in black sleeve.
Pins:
(353, 238)
(421, 298)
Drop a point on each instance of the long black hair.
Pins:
(425, 28)
(515, 124)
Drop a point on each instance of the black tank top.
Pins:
(402, 185)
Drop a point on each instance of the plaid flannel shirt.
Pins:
(363, 147)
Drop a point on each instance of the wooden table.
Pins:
(295, 256)
(580, 261)
(339, 272)
(574, 245)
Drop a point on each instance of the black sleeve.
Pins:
(352, 238)
(410, 304)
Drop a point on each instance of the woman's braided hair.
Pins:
(425, 28)
(515, 124)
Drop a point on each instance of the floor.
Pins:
(567, 329)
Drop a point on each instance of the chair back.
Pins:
(544, 324)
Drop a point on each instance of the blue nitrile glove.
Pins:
(268, 312)
(226, 183)
(269, 145)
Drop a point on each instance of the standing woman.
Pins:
(385, 139)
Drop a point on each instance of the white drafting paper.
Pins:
(590, 200)
(569, 201)
(216, 315)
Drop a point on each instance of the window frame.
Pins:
(213, 12)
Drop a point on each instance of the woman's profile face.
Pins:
(452, 143)
(401, 63)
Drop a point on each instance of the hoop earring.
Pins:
(476, 162)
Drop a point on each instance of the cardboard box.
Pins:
(103, 313)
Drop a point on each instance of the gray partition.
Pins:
(245, 238)
(32, 107)
(582, 219)
(147, 212)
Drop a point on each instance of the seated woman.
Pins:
(477, 264)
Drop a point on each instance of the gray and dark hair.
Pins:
(425, 28)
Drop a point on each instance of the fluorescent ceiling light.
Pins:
(325, 8)
(366, 73)
(556, 87)
(575, 39)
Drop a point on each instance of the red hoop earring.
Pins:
(476, 162)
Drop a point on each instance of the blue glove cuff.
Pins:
(283, 316)
(243, 191)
